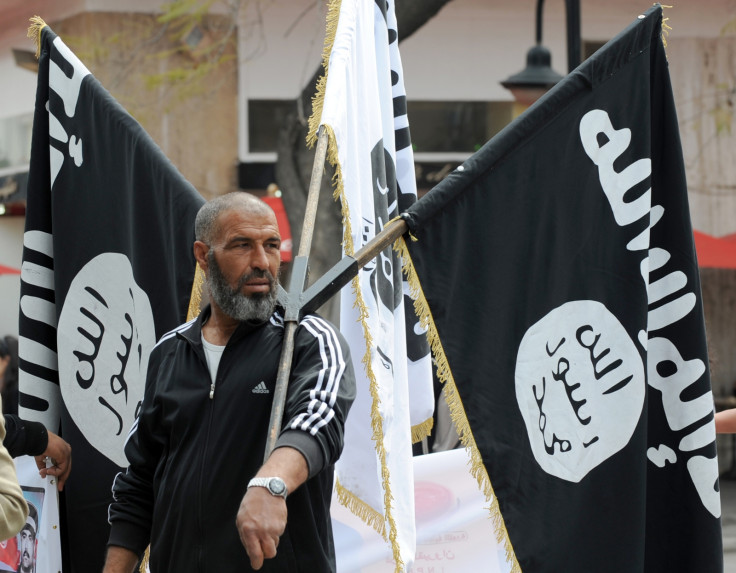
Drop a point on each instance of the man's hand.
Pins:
(261, 521)
(262, 517)
(60, 453)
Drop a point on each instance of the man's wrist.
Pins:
(274, 485)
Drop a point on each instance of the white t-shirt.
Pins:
(213, 353)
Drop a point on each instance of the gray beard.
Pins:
(255, 308)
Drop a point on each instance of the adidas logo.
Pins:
(260, 389)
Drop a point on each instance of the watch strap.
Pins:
(274, 485)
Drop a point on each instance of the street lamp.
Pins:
(538, 77)
(533, 81)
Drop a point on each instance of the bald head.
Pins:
(205, 225)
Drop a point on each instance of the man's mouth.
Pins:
(256, 282)
(258, 286)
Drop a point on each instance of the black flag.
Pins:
(562, 287)
(107, 269)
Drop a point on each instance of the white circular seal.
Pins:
(580, 388)
(105, 335)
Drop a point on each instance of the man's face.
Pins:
(27, 546)
(243, 264)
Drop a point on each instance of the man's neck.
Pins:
(219, 327)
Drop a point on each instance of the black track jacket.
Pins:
(192, 451)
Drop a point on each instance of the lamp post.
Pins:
(532, 82)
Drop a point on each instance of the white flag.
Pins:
(363, 109)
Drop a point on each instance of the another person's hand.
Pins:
(261, 521)
(60, 453)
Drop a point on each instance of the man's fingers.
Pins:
(59, 470)
(261, 520)
(269, 547)
(254, 550)
(259, 548)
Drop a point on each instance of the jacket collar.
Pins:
(194, 334)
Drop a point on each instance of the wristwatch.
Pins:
(274, 485)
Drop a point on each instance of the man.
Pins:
(200, 437)
(27, 542)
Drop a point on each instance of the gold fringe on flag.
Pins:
(144, 562)
(333, 16)
(34, 32)
(457, 411)
(195, 299)
(421, 431)
(360, 509)
(347, 498)
(665, 26)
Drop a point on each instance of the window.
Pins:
(443, 134)
(436, 126)
(264, 119)
(455, 126)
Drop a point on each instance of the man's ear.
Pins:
(200, 254)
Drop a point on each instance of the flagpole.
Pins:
(296, 301)
(296, 286)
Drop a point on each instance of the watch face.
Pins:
(277, 486)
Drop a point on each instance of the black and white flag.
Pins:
(107, 269)
(563, 295)
(362, 105)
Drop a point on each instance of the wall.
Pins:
(191, 117)
(11, 251)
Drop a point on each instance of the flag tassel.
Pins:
(361, 509)
(195, 299)
(333, 15)
(421, 431)
(34, 32)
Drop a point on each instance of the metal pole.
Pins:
(573, 34)
(572, 11)
(538, 29)
(297, 283)
(344, 270)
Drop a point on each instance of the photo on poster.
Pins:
(27, 539)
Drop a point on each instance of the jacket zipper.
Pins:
(201, 486)
(200, 552)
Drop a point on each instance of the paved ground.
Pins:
(728, 520)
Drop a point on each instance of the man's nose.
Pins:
(259, 259)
